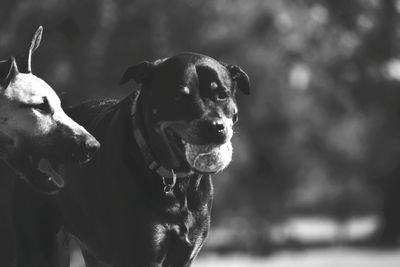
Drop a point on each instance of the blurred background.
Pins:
(315, 175)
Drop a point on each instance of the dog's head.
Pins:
(34, 130)
(188, 109)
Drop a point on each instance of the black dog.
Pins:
(145, 199)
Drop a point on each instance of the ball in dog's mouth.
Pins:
(46, 168)
(208, 158)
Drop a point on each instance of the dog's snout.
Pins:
(87, 148)
(217, 126)
(217, 130)
(91, 147)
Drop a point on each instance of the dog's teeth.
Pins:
(84, 161)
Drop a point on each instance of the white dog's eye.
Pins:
(43, 107)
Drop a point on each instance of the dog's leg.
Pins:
(7, 236)
(36, 226)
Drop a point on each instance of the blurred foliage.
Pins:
(322, 122)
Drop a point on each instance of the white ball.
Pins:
(209, 158)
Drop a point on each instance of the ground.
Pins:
(303, 230)
(333, 257)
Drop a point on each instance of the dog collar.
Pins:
(148, 155)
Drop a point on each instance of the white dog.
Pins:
(34, 130)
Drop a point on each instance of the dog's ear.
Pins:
(5, 66)
(8, 71)
(24, 61)
(240, 77)
(140, 73)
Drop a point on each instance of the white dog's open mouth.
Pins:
(41, 173)
(38, 172)
(46, 168)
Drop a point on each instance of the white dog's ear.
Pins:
(8, 72)
(24, 61)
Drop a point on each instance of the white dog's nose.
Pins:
(90, 147)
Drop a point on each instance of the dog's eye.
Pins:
(43, 107)
(222, 95)
(219, 92)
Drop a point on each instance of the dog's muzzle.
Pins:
(205, 144)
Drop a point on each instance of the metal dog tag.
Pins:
(169, 188)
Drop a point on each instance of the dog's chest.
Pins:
(176, 242)
(179, 234)
(174, 233)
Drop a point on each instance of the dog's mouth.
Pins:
(45, 167)
(205, 158)
(42, 175)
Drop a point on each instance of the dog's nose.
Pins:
(88, 148)
(217, 131)
(91, 147)
(217, 126)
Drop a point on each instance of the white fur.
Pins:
(18, 121)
